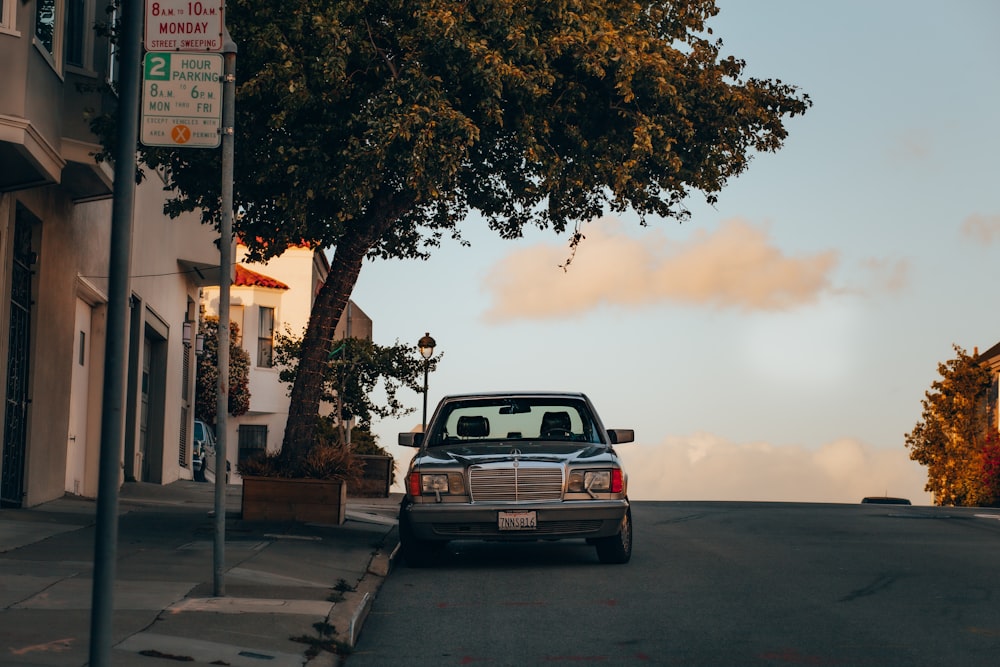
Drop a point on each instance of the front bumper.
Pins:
(555, 521)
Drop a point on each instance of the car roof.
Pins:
(518, 394)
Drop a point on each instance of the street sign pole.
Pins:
(225, 271)
(112, 400)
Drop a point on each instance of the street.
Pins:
(726, 584)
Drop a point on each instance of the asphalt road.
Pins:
(713, 584)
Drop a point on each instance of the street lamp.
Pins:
(426, 346)
(199, 339)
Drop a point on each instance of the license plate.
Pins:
(517, 521)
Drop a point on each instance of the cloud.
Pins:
(886, 276)
(981, 228)
(736, 266)
(706, 467)
(913, 144)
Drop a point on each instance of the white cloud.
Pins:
(736, 266)
(890, 276)
(982, 228)
(706, 467)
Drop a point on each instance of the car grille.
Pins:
(528, 482)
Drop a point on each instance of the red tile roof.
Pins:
(247, 278)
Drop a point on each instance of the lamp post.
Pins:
(426, 346)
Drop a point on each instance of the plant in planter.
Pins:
(378, 472)
(313, 488)
(354, 371)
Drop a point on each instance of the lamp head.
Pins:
(426, 346)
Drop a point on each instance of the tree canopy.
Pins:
(206, 384)
(356, 368)
(374, 127)
(956, 436)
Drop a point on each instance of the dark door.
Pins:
(15, 436)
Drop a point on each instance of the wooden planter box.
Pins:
(376, 476)
(303, 500)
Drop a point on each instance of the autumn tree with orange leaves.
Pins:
(956, 437)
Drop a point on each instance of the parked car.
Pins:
(203, 450)
(884, 500)
(511, 467)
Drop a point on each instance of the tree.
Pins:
(956, 438)
(206, 385)
(354, 370)
(374, 127)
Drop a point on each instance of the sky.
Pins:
(777, 345)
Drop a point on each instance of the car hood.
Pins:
(540, 451)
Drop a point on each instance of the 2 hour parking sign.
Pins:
(182, 99)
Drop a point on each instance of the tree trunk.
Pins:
(345, 266)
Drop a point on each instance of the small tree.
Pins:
(206, 385)
(955, 438)
(354, 370)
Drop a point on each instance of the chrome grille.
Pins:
(529, 482)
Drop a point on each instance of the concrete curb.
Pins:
(348, 616)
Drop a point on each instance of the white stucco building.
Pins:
(264, 299)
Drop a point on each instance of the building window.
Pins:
(112, 73)
(49, 28)
(252, 441)
(7, 15)
(79, 29)
(265, 338)
(236, 317)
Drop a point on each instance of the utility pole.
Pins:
(116, 345)
(225, 281)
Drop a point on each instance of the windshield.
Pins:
(514, 418)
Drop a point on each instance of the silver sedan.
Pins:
(515, 466)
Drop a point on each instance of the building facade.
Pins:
(55, 231)
(265, 299)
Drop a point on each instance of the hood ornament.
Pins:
(516, 453)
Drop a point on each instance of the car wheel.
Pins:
(617, 549)
(416, 552)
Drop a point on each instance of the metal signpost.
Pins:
(181, 106)
(182, 99)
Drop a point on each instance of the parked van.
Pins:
(204, 449)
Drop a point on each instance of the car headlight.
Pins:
(436, 483)
(597, 481)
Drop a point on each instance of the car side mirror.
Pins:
(410, 439)
(620, 436)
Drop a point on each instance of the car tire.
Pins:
(617, 549)
(416, 552)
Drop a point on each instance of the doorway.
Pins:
(15, 436)
(76, 439)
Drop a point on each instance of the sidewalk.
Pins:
(294, 593)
